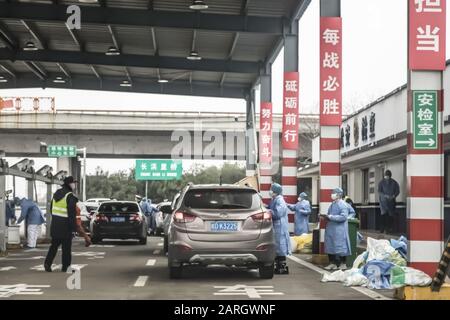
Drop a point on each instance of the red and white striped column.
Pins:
(425, 159)
(330, 172)
(290, 142)
(330, 106)
(265, 149)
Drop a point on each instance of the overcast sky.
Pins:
(374, 63)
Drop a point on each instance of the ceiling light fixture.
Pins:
(112, 51)
(59, 80)
(198, 5)
(194, 56)
(30, 46)
(125, 83)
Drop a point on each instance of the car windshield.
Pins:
(118, 208)
(222, 199)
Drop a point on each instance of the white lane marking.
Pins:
(253, 292)
(141, 281)
(55, 267)
(20, 259)
(365, 291)
(7, 268)
(157, 252)
(150, 262)
(7, 291)
(101, 246)
(35, 250)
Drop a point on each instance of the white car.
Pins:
(97, 200)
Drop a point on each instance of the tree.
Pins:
(123, 186)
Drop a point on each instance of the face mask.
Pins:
(271, 193)
(299, 199)
(72, 186)
(334, 196)
(387, 177)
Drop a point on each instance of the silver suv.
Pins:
(217, 224)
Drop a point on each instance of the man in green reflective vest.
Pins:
(63, 225)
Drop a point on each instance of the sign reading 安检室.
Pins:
(158, 169)
(425, 124)
(56, 151)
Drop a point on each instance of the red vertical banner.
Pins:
(265, 133)
(330, 71)
(427, 29)
(290, 111)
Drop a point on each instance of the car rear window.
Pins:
(222, 199)
(166, 209)
(118, 208)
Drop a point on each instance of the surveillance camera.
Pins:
(21, 165)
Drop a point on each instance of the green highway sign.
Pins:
(425, 120)
(158, 169)
(63, 151)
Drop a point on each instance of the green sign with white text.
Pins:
(56, 151)
(425, 120)
(158, 169)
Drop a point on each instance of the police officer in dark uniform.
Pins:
(63, 225)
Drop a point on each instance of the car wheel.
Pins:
(266, 272)
(143, 240)
(166, 245)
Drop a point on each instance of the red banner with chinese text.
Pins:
(265, 133)
(330, 71)
(427, 31)
(290, 111)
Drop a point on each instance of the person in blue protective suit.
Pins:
(152, 216)
(302, 212)
(337, 240)
(279, 211)
(34, 217)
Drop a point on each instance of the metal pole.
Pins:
(146, 189)
(48, 214)
(3, 228)
(84, 174)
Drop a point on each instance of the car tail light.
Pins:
(182, 217)
(101, 217)
(262, 247)
(135, 217)
(262, 216)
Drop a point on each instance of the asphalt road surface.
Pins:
(126, 270)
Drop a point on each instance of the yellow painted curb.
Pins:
(423, 293)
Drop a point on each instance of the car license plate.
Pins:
(226, 226)
(117, 219)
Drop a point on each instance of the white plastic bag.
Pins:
(378, 249)
(337, 276)
(159, 218)
(406, 276)
(356, 279)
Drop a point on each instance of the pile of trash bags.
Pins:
(381, 266)
(302, 244)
